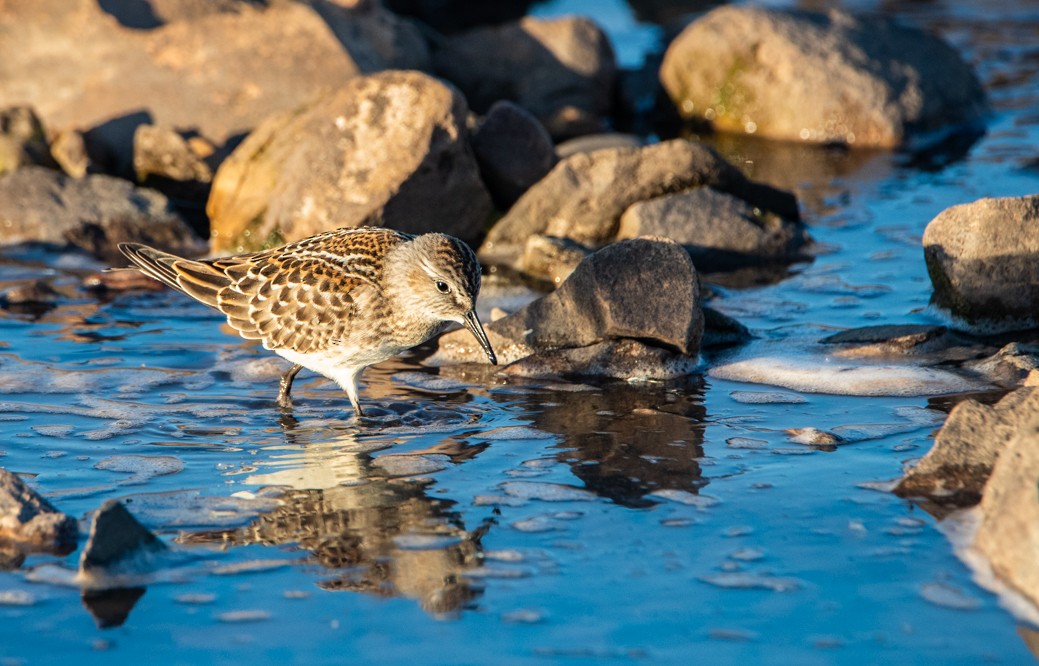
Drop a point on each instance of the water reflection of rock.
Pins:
(628, 441)
(379, 535)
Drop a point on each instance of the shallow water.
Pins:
(474, 521)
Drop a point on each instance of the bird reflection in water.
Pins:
(376, 534)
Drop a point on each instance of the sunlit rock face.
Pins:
(822, 78)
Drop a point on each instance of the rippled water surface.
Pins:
(475, 521)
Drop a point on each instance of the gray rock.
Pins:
(551, 259)
(584, 196)
(721, 232)
(561, 70)
(94, 213)
(1010, 366)
(625, 359)
(721, 330)
(821, 78)
(29, 521)
(23, 140)
(983, 259)
(514, 151)
(388, 149)
(957, 467)
(1008, 534)
(219, 72)
(644, 289)
(118, 544)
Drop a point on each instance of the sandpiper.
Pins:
(336, 302)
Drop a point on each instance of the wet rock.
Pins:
(118, 544)
(388, 149)
(163, 160)
(644, 290)
(1011, 366)
(721, 232)
(219, 72)
(514, 151)
(32, 292)
(721, 330)
(584, 196)
(886, 338)
(965, 450)
(822, 78)
(561, 70)
(1008, 534)
(628, 360)
(590, 143)
(983, 259)
(550, 258)
(23, 140)
(29, 521)
(814, 437)
(94, 213)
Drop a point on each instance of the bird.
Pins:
(335, 302)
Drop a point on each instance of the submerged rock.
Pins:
(30, 521)
(720, 231)
(957, 467)
(585, 195)
(118, 544)
(217, 67)
(643, 290)
(514, 151)
(388, 149)
(822, 78)
(983, 259)
(94, 213)
(561, 70)
(887, 338)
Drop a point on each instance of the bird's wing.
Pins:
(295, 297)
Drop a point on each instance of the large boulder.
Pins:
(584, 196)
(94, 213)
(821, 78)
(644, 290)
(29, 521)
(956, 469)
(983, 259)
(561, 70)
(389, 149)
(219, 70)
(514, 151)
(721, 232)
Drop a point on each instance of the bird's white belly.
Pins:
(341, 363)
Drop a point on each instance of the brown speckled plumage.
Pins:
(336, 302)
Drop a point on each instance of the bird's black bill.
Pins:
(472, 322)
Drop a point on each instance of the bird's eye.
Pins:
(442, 287)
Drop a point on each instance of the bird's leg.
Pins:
(350, 386)
(286, 385)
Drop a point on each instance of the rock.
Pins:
(1008, 534)
(219, 72)
(551, 259)
(1010, 366)
(561, 70)
(721, 330)
(814, 437)
(69, 150)
(889, 337)
(94, 213)
(514, 151)
(590, 143)
(389, 149)
(29, 521)
(983, 259)
(118, 544)
(822, 78)
(720, 231)
(584, 196)
(625, 359)
(965, 450)
(32, 297)
(164, 160)
(644, 289)
(449, 16)
(22, 140)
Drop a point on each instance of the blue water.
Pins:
(526, 523)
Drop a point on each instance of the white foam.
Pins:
(547, 492)
(515, 432)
